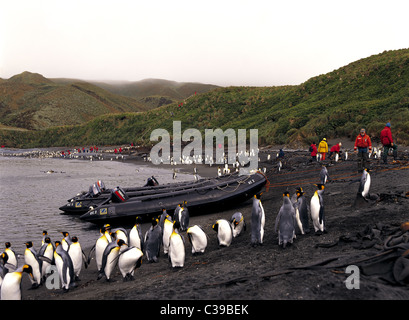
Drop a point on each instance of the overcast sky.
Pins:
(223, 42)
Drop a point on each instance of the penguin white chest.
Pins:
(367, 185)
(224, 233)
(134, 240)
(176, 250)
(315, 207)
(167, 231)
(198, 239)
(10, 288)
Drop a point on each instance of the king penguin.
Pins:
(365, 184)
(363, 195)
(224, 232)
(197, 238)
(45, 234)
(120, 233)
(99, 247)
(285, 221)
(162, 217)
(167, 231)
(11, 285)
(5, 267)
(129, 259)
(153, 241)
(176, 214)
(66, 241)
(135, 235)
(64, 266)
(324, 177)
(109, 260)
(184, 217)
(47, 251)
(301, 208)
(11, 254)
(257, 221)
(317, 209)
(77, 256)
(176, 248)
(238, 224)
(30, 258)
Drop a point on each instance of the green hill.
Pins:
(366, 93)
(30, 101)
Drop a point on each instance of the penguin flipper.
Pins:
(321, 214)
(91, 251)
(84, 259)
(43, 258)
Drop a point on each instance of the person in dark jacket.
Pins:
(363, 146)
(387, 142)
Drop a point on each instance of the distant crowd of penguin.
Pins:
(122, 249)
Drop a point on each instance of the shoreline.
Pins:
(242, 272)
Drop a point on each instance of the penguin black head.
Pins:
(65, 233)
(176, 225)
(258, 195)
(45, 232)
(320, 186)
(29, 244)
(121, 242)
(138, 220)
(215, 227)
(28, 269)
(299, 191)
(5, 257)
(154, 221)
(107, 227)
(8, 245)
(47, 240)
(57, 243)
(74, 239)
(286, 194)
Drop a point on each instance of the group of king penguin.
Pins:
(125, 249)
(67, 256)
(297, 212)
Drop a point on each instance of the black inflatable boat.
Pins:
(203, 196)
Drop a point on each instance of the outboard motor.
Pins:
(119, 195)
(101, 185)
(151, 182)
(94, 190)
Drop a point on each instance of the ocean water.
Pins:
(30, 195)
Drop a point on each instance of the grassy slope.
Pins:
(366, 93)
(31, 101)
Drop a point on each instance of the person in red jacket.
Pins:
(387, 141)
(363, 146)
(335, 149)
(313, 150)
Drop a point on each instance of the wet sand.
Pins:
(304, 270)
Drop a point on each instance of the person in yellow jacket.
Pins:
(323, 148)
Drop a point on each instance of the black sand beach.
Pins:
(312, 268)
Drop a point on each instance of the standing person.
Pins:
(323, 148)
(363, 146)
(313, 150)
(387, 141)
